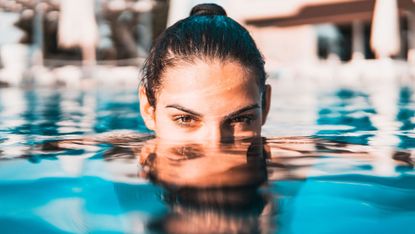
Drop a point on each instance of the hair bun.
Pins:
(207, 9)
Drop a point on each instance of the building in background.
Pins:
(39, 35)
(348, 29)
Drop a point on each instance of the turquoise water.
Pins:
(334, 161)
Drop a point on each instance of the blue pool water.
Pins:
(334, 161)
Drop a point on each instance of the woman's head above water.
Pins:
(204, 80)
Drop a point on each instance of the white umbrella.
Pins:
(385, 36)
(78, 28)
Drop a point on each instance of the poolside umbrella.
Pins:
(385, 37)
(78, 28)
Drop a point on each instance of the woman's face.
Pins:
(211, 100)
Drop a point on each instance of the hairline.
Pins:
(177, 61)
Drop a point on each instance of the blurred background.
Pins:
(65, 42)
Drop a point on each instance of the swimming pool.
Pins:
(338, 160)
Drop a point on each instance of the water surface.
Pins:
(333, 161)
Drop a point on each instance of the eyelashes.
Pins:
(193, 121)
(185, 120)
(245, 119)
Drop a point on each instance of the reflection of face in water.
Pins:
(211, 189)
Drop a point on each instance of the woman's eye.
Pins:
(185, 120)
(242, 119)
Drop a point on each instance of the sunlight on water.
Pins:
(82, 161)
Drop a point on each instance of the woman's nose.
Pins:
(218, 134)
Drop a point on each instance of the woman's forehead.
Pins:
(208, 83)
(209, 77)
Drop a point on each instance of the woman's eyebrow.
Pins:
(184, 109)
(228, 116)
(247, 108)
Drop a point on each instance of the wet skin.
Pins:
(207, 101)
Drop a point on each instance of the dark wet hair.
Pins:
(206, 34)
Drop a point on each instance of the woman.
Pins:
(204, 80)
